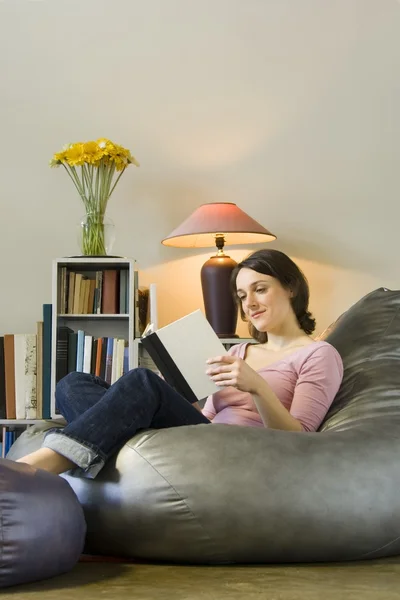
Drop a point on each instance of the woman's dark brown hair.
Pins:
(281, 267)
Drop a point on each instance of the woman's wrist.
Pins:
(260, 386)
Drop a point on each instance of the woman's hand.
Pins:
(233, 371)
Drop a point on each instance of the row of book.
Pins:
(106, 357)
(25, 372)
(7, 439)
(25, 365)
(99, 292)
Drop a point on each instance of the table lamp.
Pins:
(216, 224)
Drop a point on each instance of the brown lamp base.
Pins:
(221, 309)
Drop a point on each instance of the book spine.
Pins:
(143, 309)
(95, 343)
(87, 353)
(80, 350)
(71, 292)
(3, 441)
(9, 368)
(86, 297)
(120, 357)
(22, 361)
(103, 358)
(114, 361)
(30, 376)
(99, 291)
(82, 295)
(77, 293)
(110, 300)
(62, 352)
(72, 345)
(64, 286)
(97, 370)
(125, 368)
(109, 357)
(39, 369)
(135, 295)
(123, 280)
(167, 366)
(46, 370)
(2, 381)
(62, 290)
(92, 287)
(9, 440)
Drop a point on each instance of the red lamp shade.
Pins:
(217, 224)
(227, 219)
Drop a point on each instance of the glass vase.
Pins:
(96, 235)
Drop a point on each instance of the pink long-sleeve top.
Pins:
(305, 381)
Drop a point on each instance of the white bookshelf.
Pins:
(96, 325)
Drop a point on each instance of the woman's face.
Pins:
(265, 302)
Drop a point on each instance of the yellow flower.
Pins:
(120, 156)
(92, 153)
(101, 163)
(102, 143)
(60, 157)
(75, 156)
(106, 146)
(120, 163)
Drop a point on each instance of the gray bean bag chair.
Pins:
(42, 526)
(227, 494)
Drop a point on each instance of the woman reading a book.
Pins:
(286, 381)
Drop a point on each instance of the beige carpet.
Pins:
(103, 581)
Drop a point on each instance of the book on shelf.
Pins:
(98, 292)
(3, 413)
(62, 298)
(46, 364)
(71, 293)
(25, 366)
(103, 357)
(9, 369)
(39, 368)
(72, 351)
(25, 375)
(106, 357)
(8, 438)
(109, 357)
(99, 352)
(142, 307)
(77, 293)
(180, 351)
(110, 292)
(93, 292)
(123, 291)
(87, 353)
(62, 352)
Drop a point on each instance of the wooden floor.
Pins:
(103, 581)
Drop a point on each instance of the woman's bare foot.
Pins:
(49, 460)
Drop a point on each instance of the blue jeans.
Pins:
(101, 418)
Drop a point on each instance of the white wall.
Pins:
(289, 108)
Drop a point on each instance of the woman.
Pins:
(287, 381)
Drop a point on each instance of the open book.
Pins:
(180, 351)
